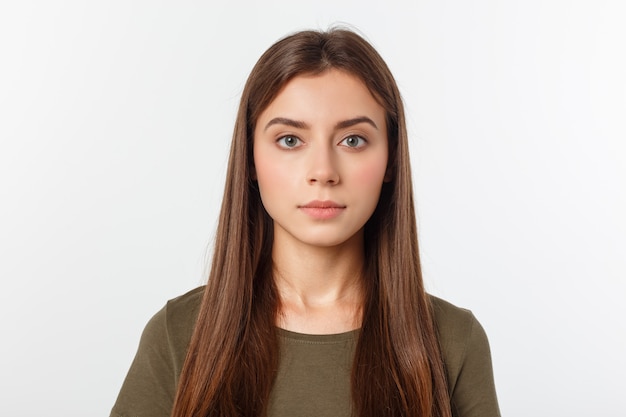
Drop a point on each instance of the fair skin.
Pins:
(320, 159)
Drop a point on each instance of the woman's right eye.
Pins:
(288, 142)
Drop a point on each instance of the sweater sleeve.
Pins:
(474, 393)
(149, 387)
(467, 359)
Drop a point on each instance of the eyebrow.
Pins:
(302, 125)
(287, 122)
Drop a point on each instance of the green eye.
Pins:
(353, 141)
(288, 142)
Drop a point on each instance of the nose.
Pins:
(322, 167)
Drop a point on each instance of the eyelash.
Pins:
(362, 142)
(281, 141)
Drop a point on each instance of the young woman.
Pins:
(315, 304)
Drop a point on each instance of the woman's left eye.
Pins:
(353, 141)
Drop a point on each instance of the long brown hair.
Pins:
(234, 352)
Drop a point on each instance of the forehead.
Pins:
(331, 96)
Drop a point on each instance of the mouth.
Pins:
(326, 204)
(322, 210)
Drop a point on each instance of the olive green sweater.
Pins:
(314, 372)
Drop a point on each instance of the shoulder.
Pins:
(454, 324)
(150, 385)
(166, 336)
(459, 332)
(176, 320)
(467, 358)
(182, 311)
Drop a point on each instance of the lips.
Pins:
(322, 210)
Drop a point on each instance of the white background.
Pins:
(115, 120)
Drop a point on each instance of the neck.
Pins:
(320, 288)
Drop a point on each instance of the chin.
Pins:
(330, 241)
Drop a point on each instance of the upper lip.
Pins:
(322, 204)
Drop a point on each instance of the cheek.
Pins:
(271, 176)
(371, 174)
(265, 172)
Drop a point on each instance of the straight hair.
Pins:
(233, 356)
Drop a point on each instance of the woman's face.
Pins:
(320, 158)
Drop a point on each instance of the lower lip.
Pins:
(323, 213)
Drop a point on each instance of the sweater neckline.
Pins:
(319, 338)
